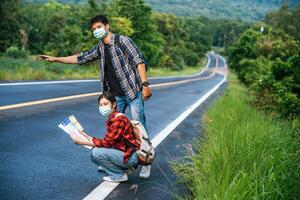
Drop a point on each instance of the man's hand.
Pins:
(146, 92)
(47, 58)
(67, 60)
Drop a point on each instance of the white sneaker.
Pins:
(145, 172)
(121, 179)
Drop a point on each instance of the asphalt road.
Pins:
(39, 161)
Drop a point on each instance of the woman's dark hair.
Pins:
(99, 18)
(109, 96)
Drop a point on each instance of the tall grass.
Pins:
(187, 70)
(26, 69)
(30, 69)
(244, 153)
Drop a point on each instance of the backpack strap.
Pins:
(105, 86)
(119, 114)
(118, 43)
(117, 40)
(124, 139)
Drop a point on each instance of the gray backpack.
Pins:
(146, 151)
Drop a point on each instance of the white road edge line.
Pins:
(105, 188)
(98, 80)
(49, 82)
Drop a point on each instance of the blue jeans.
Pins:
(136, 107)
(111, 160)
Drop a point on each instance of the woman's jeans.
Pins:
(136, 107)
(111, 160)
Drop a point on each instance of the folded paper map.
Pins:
(72, 127)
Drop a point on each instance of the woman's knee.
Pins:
(98, 153)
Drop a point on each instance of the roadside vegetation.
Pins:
(31, 69)
(251, 143)
(268, 63)
(244, 153)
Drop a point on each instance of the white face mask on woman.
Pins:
(100, 33)
(105, 110)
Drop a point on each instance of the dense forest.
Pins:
(268, 62)
(244, 9)
(62, 29)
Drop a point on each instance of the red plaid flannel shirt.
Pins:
(118, 129)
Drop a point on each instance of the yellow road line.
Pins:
(48, 101)
(97, 93)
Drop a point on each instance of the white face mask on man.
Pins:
(100, 33)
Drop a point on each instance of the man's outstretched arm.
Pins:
(67, 59)
(81, 58)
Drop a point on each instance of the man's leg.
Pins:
(137, 110)
(138, 113)
(121, 104)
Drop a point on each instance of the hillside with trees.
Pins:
(245, 9)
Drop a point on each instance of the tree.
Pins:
(9, 23)
(227, 31)
(287, 19)
(200, 33)
(244, 47)
(268, 62)
(172, 29)
(145, 30)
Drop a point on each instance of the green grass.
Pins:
(244, 154)
(154, 72)
(31, 69)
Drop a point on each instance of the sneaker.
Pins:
(145, 172)
(100, 169)
(121, 179)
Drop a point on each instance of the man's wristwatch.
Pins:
(146, 84)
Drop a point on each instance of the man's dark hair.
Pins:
(99, 18)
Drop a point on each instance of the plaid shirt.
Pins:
(124, 63)
(118, 134)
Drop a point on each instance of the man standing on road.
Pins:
(123, 70)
